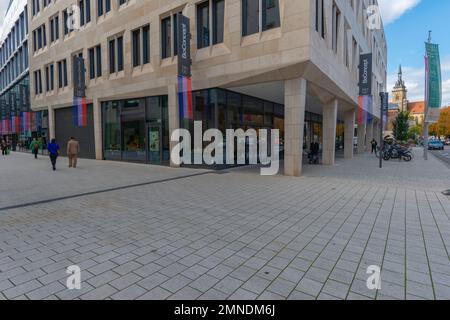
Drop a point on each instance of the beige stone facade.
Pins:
(308, 71)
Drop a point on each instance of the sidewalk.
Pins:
(234, 235)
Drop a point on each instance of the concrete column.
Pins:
(174, 119)
(98, 132)
(294, 123)
(376, 131)
(349, 134)
(361, 138)
(329, 132)
(51, 123)
(370, 133)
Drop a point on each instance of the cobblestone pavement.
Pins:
(234, 235)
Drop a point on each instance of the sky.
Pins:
(406, 25)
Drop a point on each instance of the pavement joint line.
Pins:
(340, 227)
(369, 236)
(84, 194)
(419, 211)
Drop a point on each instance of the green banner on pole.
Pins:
(433, 88)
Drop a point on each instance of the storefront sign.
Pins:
(433, 79)
(365, 75)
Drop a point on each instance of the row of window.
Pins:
(50, 77)
(103, 6)
(210, 23)
(14, 39)
(15, 67)
(336, 16)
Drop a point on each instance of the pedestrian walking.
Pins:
(34, 146)
(53, 150)
(374, 144)
(73, 148)
(3, 146)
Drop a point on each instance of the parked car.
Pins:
(435, 145)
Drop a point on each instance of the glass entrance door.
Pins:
(154, 145)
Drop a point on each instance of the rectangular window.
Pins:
(119, 53)
(47, 78)
(91, 63)
(146, 44)
(335, 21)
(99, 8)
(270, 14)
(60, 75)
(66, 82)
(203, 25)
(166, 38)
(250, 17)
(112, 56)
(320, 18)
(136, 47)
(218, 20)
(98, 51)
(52, 77)
(65, 18)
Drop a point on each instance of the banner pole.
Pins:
(381, 130)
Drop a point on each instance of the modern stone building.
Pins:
(285, 64)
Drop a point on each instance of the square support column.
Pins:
(174, 120)
(349, 134)
(370, 132)
(376, 131)
(329, 132)
(98, 132)
(294, 123)
(362, 138)
(51, 123)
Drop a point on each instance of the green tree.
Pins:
(415, 132)
(401, 126)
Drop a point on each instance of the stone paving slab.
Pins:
(230, 236)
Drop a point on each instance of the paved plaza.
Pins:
(147, 232)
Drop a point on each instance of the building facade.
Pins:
(18, 124)
(400, 103)
(290, 65)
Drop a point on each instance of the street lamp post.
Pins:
(384, 98)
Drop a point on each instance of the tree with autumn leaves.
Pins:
(442, 127)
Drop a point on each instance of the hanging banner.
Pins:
(365, 110)
(79, 93)
(80, 112)
(365, 75)
(184, 68)
(433, 82)
(184, 46)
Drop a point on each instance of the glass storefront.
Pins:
(136, 130)
(15, 104)
(224, 109)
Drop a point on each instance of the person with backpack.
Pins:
(34, 146)
(53, 151)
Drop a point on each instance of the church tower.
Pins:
(399, 93)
